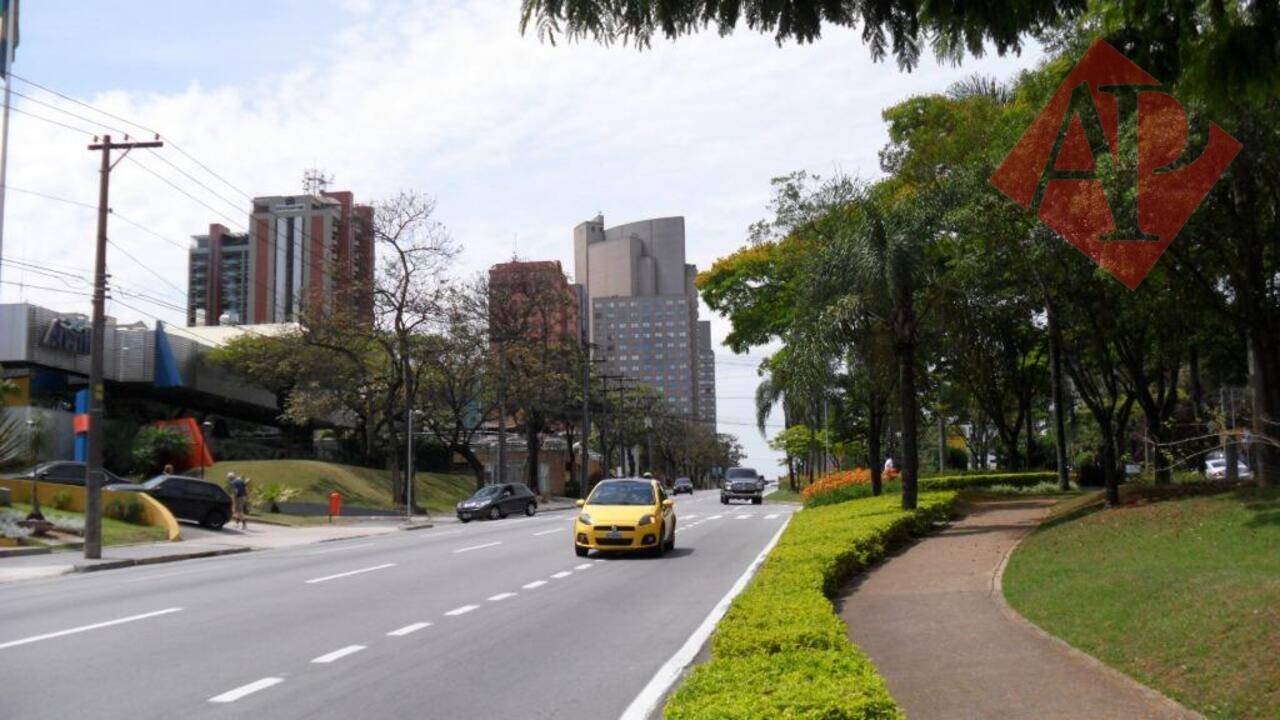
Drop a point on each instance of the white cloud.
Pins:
(513, 136)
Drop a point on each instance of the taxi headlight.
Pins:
(585, 519)
(646, 520)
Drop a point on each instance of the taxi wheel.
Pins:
(671, 544)
(581, 551)
(660, 549)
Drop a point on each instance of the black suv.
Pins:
(188, 498)
(742, 484)
(682, 485)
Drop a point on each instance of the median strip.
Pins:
(86, 628)
(338, 654)
(349, 573)
(253, 687)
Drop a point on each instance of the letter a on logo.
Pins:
(1103, 164)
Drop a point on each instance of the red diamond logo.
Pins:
(1108, 134)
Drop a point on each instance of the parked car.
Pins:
(498, 501)
(187, 498)
(1216, 469)
(66, 472)
(682, 485)
(742, 484)
(625, 514)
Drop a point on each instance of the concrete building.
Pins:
(308, 250)
(534, 299)
(643, 314)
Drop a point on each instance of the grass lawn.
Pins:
(362, 487)
(784, 495)
(114, 532)
(1183, 595)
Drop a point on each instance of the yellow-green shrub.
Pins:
(780, 651)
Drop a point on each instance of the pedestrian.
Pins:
(888, 465)
(168, 469)
(239, 498)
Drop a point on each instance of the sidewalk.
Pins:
(935, 623)
(197, 542)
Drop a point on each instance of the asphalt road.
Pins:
(486, 620)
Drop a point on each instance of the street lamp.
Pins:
(206, 427)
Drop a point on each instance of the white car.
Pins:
(1216, 469)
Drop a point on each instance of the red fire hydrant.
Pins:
(335, 504)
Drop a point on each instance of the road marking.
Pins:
(401, 632)
(743, 517)
(583, 566)
(715, 517)
(253, 687)
(462, 610)
(534, 584)
(340, 549)
(562, 574)
(338, 654)
(548, 532)
(690, 516)
(85, 628)
(771, 516)
(478, 547)
(501, 596)
(349, 573)
(643, 705)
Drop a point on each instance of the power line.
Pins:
(51, 122)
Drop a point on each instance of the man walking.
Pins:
(239, 498)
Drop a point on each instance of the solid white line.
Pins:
(253, 687)
(339, 549)
(501, 596)
(84, 628)
(478, 547)
(562, 574)
(583, 566)
(338, 654)
(534, 584)
(401, 632)
(349, 573)
(645, 703)
(548, 532)
(462, 610)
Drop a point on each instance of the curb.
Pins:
(22, 551)
(416, 526)
(176, 557)
(997, 590)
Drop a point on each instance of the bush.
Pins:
(837, 488)
(843, 485)
(154, 447)
(780, 651)
(273, 493)
(62, 500)
(129, 511)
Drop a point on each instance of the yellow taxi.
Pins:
(625, 514)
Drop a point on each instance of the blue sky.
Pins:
(518, 141)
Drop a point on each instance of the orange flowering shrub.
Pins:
(841, 483)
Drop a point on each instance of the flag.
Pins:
(8, 32)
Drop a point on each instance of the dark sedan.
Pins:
(498, 501)
(66, 472)
(188, 498)
(682, 485)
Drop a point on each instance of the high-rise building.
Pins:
(301, 251)
(533, 299)
(643, 314)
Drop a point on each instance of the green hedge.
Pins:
(780, 651)
(937, 482)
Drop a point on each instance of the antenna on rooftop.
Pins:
(315, 182)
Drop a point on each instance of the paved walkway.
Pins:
(933, 620)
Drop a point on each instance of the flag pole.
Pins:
(10, 12)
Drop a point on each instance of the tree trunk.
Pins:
(1059, 395)
(533, 445)
(1031, 437)
(908, 400)
(1109, 478)
(1264, 376)
(473, 462)
(874, 437)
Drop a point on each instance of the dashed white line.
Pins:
(715, 517)
(478, 547)
(562, 574)
(744, 516)
(548, 532)
(501, 596)
(462, 610)
(583, 566)
(338, 654)
(534, 584)
(771, 516)
(415, 627)
(340, 549)
(349, 573)
(85, 628)
(253, 687)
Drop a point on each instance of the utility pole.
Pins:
(93, 472)
(584, 472)
(408, 428)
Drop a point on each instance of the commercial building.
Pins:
(533, 299)
(643, 315)
(301, 251)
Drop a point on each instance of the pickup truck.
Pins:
(742, 484)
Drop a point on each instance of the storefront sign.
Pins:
(73, 335)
